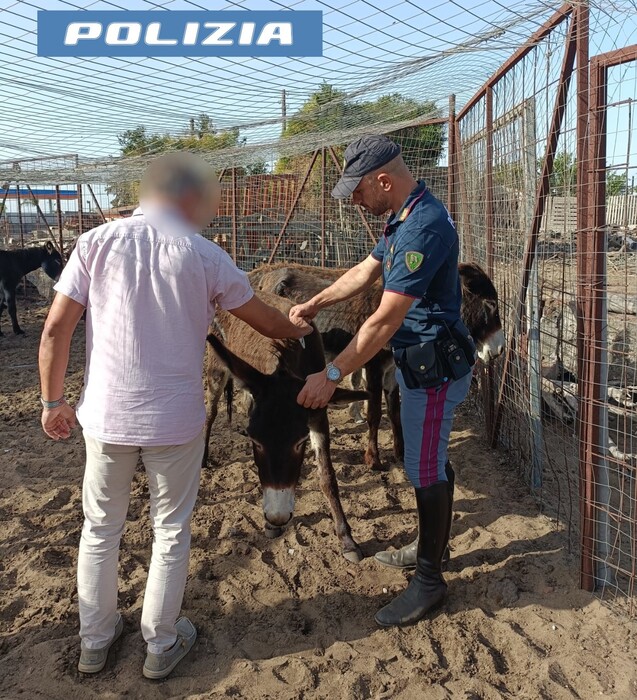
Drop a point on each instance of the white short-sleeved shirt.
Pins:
(150, 284)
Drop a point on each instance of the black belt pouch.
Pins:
(420, 365)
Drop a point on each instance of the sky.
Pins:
(51, 106)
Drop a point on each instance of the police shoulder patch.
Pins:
(413, 260)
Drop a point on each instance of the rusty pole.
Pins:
(592, 423)
(234, 216)
(489, 383)
(540, 202)
(41, 215)
(585, 216)
(290, 213)
(323, 203)
(528, 46)
(467, 238)
(452, 164)
(20, 222)
(59, 217)
(489, 223)
(80, 210)
(97, 204)
(4, 198)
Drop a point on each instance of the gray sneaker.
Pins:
(159, 666)
(94, 660)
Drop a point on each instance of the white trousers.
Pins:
(173, 480)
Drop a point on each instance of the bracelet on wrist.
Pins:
(53, 404)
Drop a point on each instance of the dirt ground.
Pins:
(291, 619)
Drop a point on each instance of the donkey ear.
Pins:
(250, 377)
(342, 396)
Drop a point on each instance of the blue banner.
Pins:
(164, 33)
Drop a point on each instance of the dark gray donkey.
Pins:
(14, 265)
(273, 372)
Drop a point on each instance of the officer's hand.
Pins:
(303, 312)
(317, 392)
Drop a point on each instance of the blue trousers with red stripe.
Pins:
(426, 416)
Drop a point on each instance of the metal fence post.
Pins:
(59, 218)
(452, 164)
(488, 383)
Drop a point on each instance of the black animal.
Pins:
(273, 372)
(15, 264)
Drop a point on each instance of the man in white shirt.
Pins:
(149, 285)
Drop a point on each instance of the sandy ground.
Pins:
(290, 618)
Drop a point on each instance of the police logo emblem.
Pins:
(413, 260)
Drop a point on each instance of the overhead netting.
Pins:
(383, 69)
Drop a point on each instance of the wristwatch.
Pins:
(333, 372)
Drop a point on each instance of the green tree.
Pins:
(257, 168)
(563, 179)
(200, 137)
(616, 184)
(328, 109)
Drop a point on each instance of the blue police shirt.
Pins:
(419, 253)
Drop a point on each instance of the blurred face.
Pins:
(201, 210)
(373, 193)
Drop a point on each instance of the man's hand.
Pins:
(301, 328)
(271, 322)
(317, 392)
(303, 313)
(58, 422)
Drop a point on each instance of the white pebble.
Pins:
(553, 627)
(290, 551)
(384, 590)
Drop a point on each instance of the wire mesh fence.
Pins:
(538, 169)
(550, 214)
(504, 139)
(611, 418)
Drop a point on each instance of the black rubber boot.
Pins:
(405, 557)
(427, 589)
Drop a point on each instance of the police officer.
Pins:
(419, 315)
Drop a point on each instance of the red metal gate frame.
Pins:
(591, 257)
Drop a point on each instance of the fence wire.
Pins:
(518, 174)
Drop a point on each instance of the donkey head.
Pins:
(279, 429)
(480, 311)
(51, 261)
